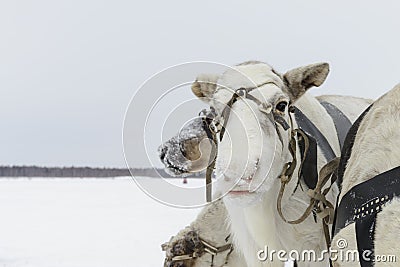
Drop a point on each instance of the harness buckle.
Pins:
(241, 92)
(284, 178)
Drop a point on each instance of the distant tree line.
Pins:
(80, 172)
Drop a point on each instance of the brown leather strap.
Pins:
(318, 202)
(212, 135)
(327, 239)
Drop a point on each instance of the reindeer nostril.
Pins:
(163, 152)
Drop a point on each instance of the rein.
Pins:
(212, 136)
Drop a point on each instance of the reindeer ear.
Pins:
(299, 80)
(204, 86)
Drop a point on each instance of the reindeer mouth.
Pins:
(173, 169)
(171, 160)
(243, 188)
(240, 192)
(244, 185)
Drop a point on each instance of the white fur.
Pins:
(376, 150)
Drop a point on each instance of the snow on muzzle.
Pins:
(159, 109)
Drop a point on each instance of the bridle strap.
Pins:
(318, 201)
(212, 136)
(241, 92)
(226, 113)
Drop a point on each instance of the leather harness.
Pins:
(342, 124)
(361, 203)
(309, 139)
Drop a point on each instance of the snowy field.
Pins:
(84, 222)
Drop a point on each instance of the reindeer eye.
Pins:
(281, 106)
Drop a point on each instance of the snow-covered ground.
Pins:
(84, 222)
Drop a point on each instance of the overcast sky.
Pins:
(68, 69)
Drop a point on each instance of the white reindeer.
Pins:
(254, 150)
(189, 152)
(375, 150)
